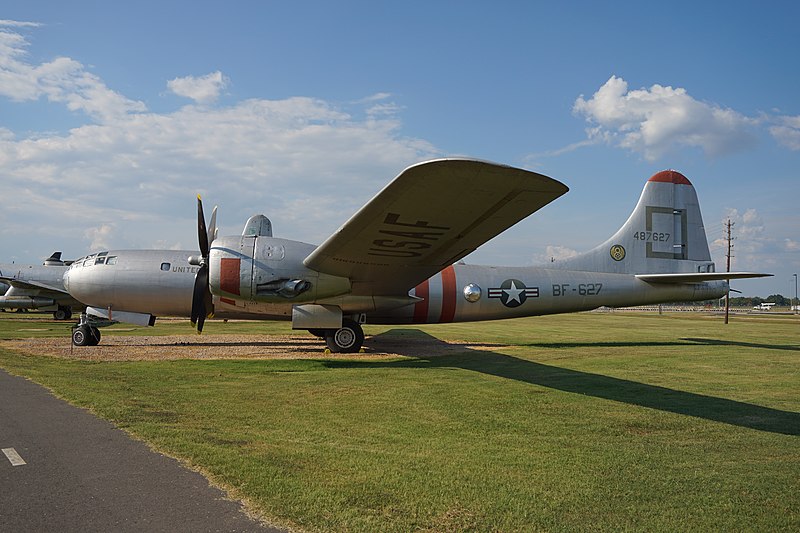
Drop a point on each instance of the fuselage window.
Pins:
(165, 267)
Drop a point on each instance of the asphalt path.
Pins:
(80, 473)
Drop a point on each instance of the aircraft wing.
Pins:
(697, 277)
(427, 218)
(32, 285)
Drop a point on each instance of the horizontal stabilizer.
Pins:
(698, 277)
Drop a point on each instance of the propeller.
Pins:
(202, 302)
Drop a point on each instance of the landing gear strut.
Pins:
(347, 339)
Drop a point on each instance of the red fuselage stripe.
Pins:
(421, 307)
(448, 294)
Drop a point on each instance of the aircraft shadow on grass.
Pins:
(719, 342)
(609, 388)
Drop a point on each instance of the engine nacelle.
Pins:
(26, 302)
(266, 269)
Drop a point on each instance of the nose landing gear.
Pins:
(84, 333)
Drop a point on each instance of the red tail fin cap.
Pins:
(670, 176)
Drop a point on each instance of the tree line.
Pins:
(778, 299)
(747, 301)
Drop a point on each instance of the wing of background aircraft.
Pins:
(30, 285)
(429, 217)
(37, 294)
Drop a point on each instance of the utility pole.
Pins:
(728, 226)
(796, 301)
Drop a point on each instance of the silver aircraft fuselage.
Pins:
(397, 260)
(160, 282)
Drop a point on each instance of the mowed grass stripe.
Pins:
(577, 422)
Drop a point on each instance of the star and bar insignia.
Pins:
(513, 293)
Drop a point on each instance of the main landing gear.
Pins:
(63, 312)
(347, 339)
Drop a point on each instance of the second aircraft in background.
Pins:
(41, 287)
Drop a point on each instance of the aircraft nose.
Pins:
(79, 284)
(65, 279)
(75, 279)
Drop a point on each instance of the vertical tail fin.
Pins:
(664, 234)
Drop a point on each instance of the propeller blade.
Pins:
(202, 300)
(202, 232)
(199, 310)
(208, 302)
(200, 321)
(212, 227)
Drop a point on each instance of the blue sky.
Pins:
(113, 116)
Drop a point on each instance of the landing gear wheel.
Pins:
(81, 336)
(347, 339)
(60, 314)
(85, 336)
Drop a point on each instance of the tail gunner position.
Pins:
(396, 262)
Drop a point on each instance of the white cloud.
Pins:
(790, 245)
(753, 246)
(203, 90)
(787, 131)
(100, 237)
(532, 160)
(132, 175)
(747, 230)
(555, 254)
(661, 119)
(19, 24)
(61, 80)
(258, 155)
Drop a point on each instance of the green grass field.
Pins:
(592, 421)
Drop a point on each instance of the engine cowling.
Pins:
(267, 269)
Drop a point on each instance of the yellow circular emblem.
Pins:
(617, 252)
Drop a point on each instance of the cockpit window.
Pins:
(112, 260)
(100, 261)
